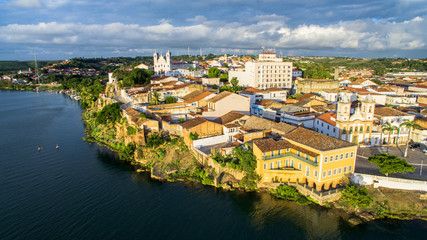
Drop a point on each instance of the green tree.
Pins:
(109, 114)
(387, 127)
(234, 82)
(411, 125)
(391, 164)
(194, 136)
(213, 72)
(223, 77)
(170, 99)
(357, 197)
(155, 98)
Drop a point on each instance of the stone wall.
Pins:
(388, 182)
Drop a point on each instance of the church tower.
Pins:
(368, 108)
(343, 109)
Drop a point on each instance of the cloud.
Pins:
(270, 31)
(25, 3)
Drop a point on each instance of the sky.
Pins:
(64, 29)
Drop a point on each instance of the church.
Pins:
(352, 122)
(164, 65)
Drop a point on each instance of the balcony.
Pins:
(314, 164)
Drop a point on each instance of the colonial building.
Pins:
(352, 126)
(304, 85)
(225, 102)
(269, 71)
(304, 156)
(164, 65)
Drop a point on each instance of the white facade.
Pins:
(264, 73)
(333, 96)
(378, 98)
(401, 101)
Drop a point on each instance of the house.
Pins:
(403, 101)
(362, 83)
(200, 126)
(305, 157)
(225, 102)
(395, 118)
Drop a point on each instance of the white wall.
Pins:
(210, 141)
(388, 182)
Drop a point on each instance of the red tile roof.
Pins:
(326, 117)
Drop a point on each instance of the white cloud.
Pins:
(269, 31)
(26, 3)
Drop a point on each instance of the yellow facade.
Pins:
(298, 163)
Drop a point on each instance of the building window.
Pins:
(349, 168)
(315, 173)
(299, 154)
(272, 153)
(344, 131)
(339, 170)
(287, 150)
(280, 151)
(292, 163)
(307, 171)
(287, 163)
(351, 154)
(361, 129)
(279, 164)
(367, 129)
(351, 130)
(356, 130)
(264, 154)
(324, 174)
(329, 173)
(336, 157)
(342, 156)
(265, 165)
(335, 171)
(299, 166)
(306, 157)
(272, 165)
(326, 159)
(345, 169)
(346, 155)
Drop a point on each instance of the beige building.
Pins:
(304, 85)
(269, 71)
(225, 102)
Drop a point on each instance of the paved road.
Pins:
(415, 157)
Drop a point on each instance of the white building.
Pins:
(269, 71)
(165, 65)
(355, 128)
(395, 118)
(334, 95)
(403, 101)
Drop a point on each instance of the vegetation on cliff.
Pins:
(290, 193)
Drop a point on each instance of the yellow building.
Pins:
(305, 85)
(305, 156)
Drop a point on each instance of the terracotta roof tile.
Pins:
(199, 97)
(268, 145)
(229, 117)
(220, 96)
(193, 122)
(316, 140)
(389, 112)
(326, 117)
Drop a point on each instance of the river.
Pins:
(83, 191)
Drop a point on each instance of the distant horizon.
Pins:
(65, 29)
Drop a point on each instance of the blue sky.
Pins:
(63, 29)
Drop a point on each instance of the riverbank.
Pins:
(169, 159)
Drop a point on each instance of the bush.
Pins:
(131, 130)
(109, 114)
(290, 193)
(357, 197)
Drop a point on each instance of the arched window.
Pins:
(361, 129)
(370, 109)
(367, 129)
(356, 130)
(351, 130)
(344, 131)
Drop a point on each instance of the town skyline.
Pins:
(67, 29)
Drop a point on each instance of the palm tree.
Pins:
(155, 98)
(410, 125)
(387, 127)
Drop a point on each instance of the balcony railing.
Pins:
(315, 164)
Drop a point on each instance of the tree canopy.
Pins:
(109, 114)
(357, 197)
(133, 77)
(391, 164)
(213, 72)
(170, 99)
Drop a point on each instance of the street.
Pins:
(415, 157)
